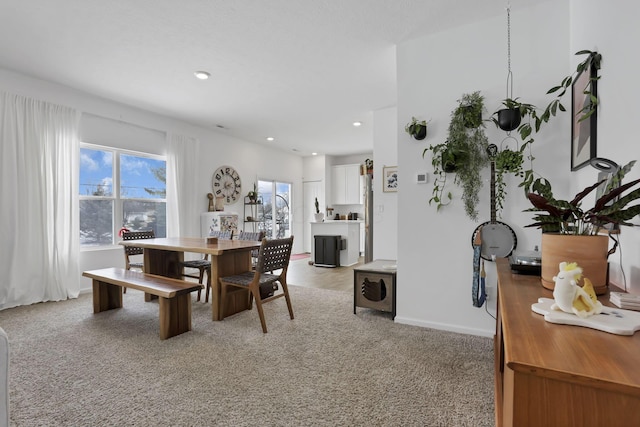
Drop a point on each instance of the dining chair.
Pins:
(130, 251)
(273, 256)
(203, 265)
(252, 235)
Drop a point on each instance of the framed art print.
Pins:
(583, 132)
(390, 179)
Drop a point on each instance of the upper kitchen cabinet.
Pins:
(346, 187)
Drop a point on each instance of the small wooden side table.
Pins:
(374, 286)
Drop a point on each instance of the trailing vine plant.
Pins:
(463, 153)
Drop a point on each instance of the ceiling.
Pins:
(300, 71)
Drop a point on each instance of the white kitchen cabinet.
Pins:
(346, 187)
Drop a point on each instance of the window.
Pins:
(120, 189)
(276, 197)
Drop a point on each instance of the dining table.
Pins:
(164, 257)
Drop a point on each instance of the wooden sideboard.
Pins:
(559, 375)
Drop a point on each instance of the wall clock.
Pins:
(226, 184)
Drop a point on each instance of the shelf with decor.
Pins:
(253, 213)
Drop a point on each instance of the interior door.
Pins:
(311, 190)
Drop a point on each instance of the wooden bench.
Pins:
(174, 295)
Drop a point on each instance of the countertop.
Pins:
(333, 221)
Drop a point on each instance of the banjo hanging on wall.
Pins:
(498, 240)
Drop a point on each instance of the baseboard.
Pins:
(445, 327)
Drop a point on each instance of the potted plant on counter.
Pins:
(319, 216)
(570, 230)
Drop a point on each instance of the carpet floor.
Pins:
(327, 367)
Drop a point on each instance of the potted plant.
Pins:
(562, 219)
(507, 161)
(464, 153)
(368, 163)
(319, 216)
(470, 109)
(531, 119)
(417, 129)
(253, 195)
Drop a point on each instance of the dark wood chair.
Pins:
(273, 256)
(203, 265)
(130, 251)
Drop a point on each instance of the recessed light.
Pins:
(202, 75)
(357, 124)
(314, 154)
(270, 138)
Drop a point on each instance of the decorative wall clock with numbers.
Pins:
(226, 184)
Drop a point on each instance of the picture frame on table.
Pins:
(583, 132)
(390, 179)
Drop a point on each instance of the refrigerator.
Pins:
(218, 221)
(368, 217)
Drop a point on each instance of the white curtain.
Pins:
(183, 213)
(39, 152)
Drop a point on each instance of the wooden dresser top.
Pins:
(571, 353)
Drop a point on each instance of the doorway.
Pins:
(276, 199)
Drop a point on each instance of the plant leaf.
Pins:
(581, 195)
(602, 201)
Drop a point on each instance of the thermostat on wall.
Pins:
(421, 177)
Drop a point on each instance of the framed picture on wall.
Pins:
(583, 132)
(390, 179)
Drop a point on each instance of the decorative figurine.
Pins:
(211, 207)
(571, 298)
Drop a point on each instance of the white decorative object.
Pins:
(613, 320)
(571, 298)
(319, 217)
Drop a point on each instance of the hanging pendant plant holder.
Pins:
(509, 118)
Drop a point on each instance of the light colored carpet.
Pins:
(328, 367)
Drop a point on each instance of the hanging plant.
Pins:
(471, 110)
(533, 119)
(525, 118)
(464, 153)
(445, 159)
(508, 161)
(417, 129)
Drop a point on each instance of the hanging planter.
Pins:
(471, 114)
(509, 119)
(451, 159)
(417, 129)
(463, 153)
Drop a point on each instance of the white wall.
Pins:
(612, 29)
(110, 123)
(434, 252)
(385, 205)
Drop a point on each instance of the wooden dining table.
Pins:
(164, 257)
